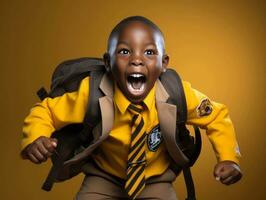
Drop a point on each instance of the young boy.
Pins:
(123, 165)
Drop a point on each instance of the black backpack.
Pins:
(73, 138)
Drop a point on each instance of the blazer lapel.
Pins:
(107, 113)
(107, 105)
(167, 119)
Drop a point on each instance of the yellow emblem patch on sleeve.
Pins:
(204, 108)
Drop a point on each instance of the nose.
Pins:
(136, 59)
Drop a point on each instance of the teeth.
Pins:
(136, 75)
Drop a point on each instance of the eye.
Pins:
(150, 52)
(123, 51)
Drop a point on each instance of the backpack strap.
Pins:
(67, 77)
(173, 85)
(93, 114)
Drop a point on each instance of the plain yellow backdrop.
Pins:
(218, 46)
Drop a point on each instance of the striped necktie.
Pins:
(135, 181)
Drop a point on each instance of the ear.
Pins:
(106, 59)
(165, 61)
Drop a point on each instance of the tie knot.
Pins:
(136, 108)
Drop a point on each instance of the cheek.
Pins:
(118, 70)
(155, 61)
(122, 62)
(155, 68)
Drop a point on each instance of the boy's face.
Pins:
(137, 60)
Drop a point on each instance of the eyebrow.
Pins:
(122, 42)
(125, 43)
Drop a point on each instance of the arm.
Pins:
(49, 115)
(214, 118)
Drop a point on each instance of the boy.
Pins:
(124, 165)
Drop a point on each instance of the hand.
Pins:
(40, 149)
(228, 172)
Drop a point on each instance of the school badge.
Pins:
(154, 138)
(205, 108)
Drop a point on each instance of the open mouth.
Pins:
(136, 83)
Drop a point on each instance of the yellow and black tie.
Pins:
(135, 181)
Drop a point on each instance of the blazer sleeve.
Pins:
(54, 113)
(214, 118)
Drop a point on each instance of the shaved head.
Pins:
(113, 37)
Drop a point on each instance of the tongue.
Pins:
(136, 84)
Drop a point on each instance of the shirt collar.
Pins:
(122, 102)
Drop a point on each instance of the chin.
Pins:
(136, 98)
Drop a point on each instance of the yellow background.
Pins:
(219, 46)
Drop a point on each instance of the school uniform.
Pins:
(109, 150)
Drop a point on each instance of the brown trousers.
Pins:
(98, 185)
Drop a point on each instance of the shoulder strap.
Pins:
(173, 85)
(93, 113)
(67, 77)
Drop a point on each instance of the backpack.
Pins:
(74, 138)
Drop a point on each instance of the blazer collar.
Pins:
(161, 94)
(107, 85)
